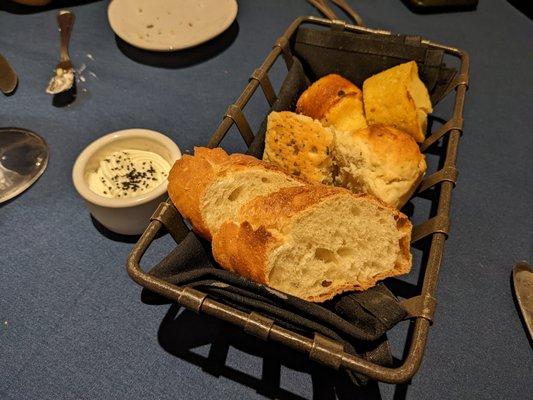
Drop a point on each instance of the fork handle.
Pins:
(65, 21)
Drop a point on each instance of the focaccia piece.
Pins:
(300, 146)
(397, 97)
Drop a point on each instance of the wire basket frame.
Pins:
(320, 348)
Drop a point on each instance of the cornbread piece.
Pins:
(299, 145)
(379, 160)
(210, 187)
(315, 241)
(397, 97)
(335, 101)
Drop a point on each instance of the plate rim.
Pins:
(166, 49)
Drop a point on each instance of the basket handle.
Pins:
(322, 6)
(344, 6)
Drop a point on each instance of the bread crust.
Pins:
(241, 249)
(388, 99)
(393, 144)
(392, 152)
(244, 247)
(188, 180)
(323, 94)
(277, 209)
(190, 177)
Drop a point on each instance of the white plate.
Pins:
(169, 25)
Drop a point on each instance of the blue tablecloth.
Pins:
(72, 323)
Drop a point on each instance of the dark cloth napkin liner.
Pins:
(359, 320)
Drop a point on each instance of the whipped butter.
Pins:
(62, 81)
(128, 173)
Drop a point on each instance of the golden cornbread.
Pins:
(347, 115)
(397, 97)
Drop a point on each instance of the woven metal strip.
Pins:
(412, 40)
(453, 124)
(422, 306)
(326, 351)
(283, 43)
(462, 79)
(433, 57)
(171, 219)
(258, 326)
(262, 77)
(192, 299)
(446, 174)
(235, 113)
(436, 224)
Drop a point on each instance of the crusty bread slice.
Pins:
(379, 160)
(314, 242)
(335, 101)
(210, 187)
(398, 97)
(299, 145)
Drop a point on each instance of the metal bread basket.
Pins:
(428, 235)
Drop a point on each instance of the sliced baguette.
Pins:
(314, 242)
(299, 145)
(210, 187)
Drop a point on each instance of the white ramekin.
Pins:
(127, 216)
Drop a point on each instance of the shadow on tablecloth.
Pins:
(182, 331)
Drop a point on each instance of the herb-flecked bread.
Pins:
(379, 160)
(299, 145)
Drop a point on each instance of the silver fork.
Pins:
(64, 72)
